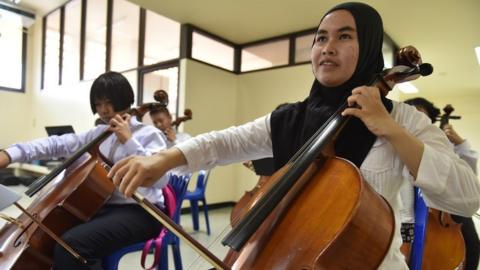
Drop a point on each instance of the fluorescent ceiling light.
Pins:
(477, 51)
(407, 88)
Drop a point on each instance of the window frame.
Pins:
(147, 69)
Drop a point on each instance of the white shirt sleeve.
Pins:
(465, 152)
(447, 182)
(246, 142)
(181, 137)
(53, 146)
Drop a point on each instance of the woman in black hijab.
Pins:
(390, 142)
(292, 126)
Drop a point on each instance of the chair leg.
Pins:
(163, 264)
(205, 209)
(177, 258)
(194, 209)
(111, 263)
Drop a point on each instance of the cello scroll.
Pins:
(187, 116)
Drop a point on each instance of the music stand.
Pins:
(59, 130)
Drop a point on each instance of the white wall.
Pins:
(15, 110)
(259, 93)
(211, 95)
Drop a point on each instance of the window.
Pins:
(125, 23)
(265, 55)
(211, 51)
(12, 44)
(162, 39)
(165, 78)
(303, 45)
(71, 42)
(387, 51)
(95, 39)
(52, 50)
(131, 77)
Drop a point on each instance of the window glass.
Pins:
(164, 79)
(162, 39)
(95, 39)
(303, 45)
(265, 55)
(125, 24)
(387, 51)
(71, 42)
(11, 45)
(131, 77)
(211, 51)
(52, 50)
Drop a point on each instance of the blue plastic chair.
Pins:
(179, 185)
(199, 195)
(419, 231)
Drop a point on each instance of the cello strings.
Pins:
(314, 137)
(306, 146)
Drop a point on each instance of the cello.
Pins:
(187, 115)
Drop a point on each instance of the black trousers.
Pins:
(472, 243)
(113, 227)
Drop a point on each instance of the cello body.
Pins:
(337, 221)
(63, 205)
(444, 244)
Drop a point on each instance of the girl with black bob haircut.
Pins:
(114, 87)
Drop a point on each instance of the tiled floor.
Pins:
(219, 222)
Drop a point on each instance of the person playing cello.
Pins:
(463, 149)
(120, 222)
(390, 142)
(162, 119)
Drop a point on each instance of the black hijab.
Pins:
(294, 124)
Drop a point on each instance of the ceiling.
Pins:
(444, 31)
